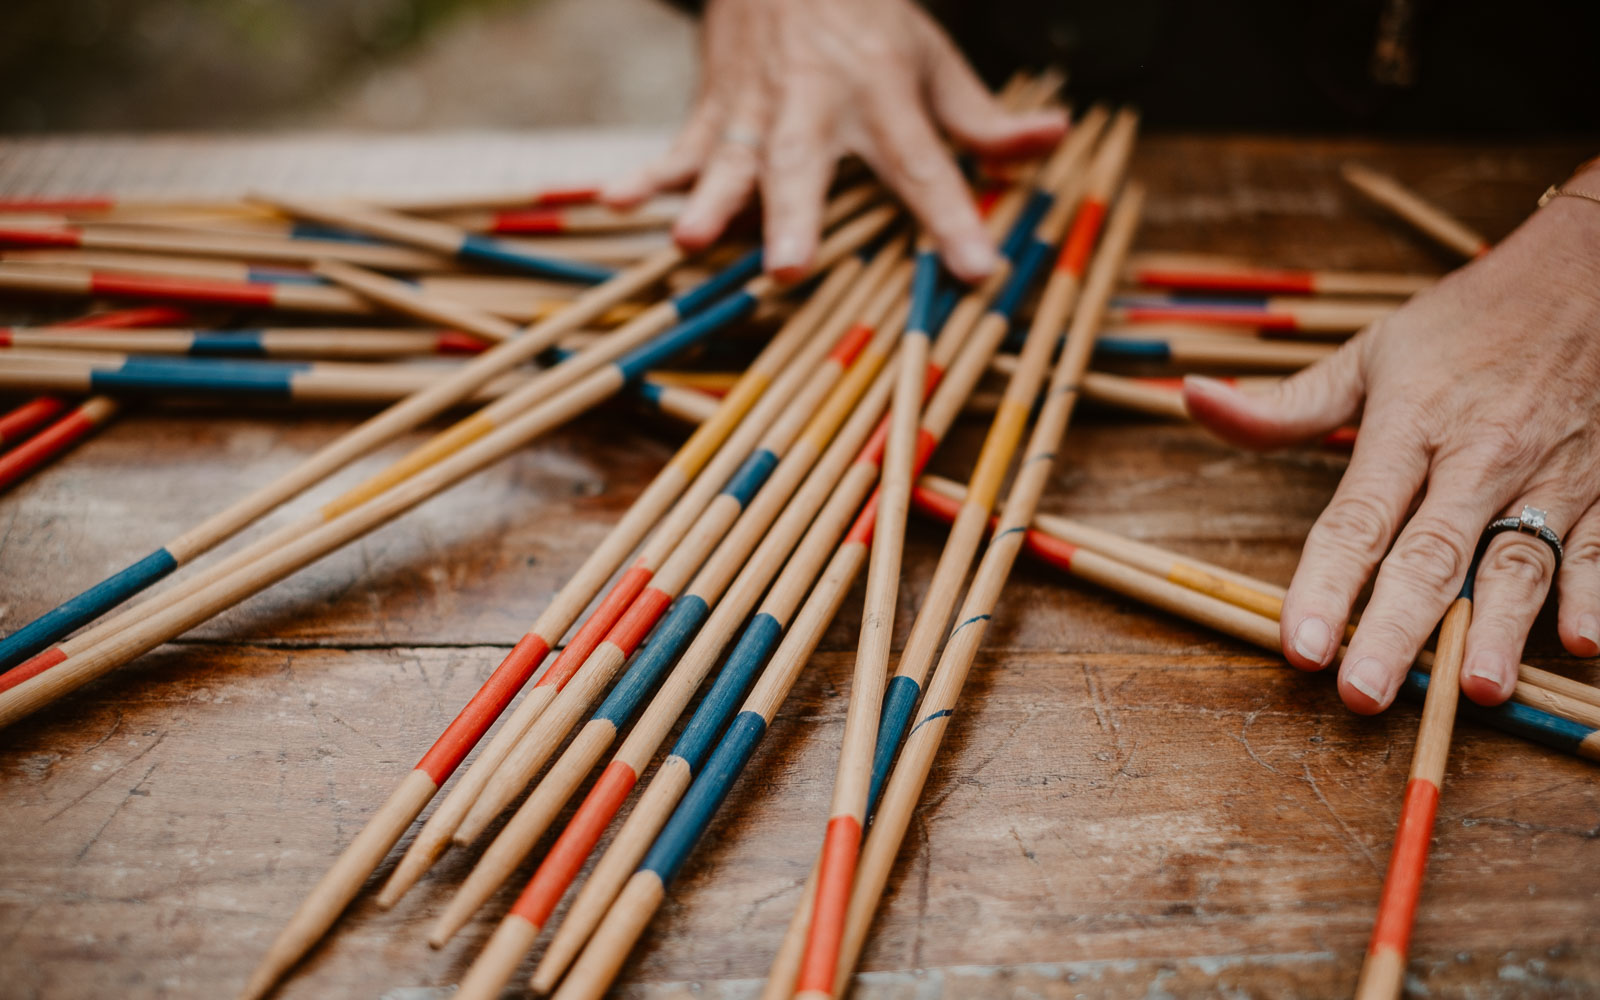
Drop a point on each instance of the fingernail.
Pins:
(1368, 676)
(973, 259)
(787, 253)
(1311, 640)
(1589, 628)
(1205, 383)
(1487, 666)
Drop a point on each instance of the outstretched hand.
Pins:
(1476, 398)
(790, 86)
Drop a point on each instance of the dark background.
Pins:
(1475, 67)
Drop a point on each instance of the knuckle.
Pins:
(1430, 556)
(1582, 550)
(1519, 559)
(1356, 523)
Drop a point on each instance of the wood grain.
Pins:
(1132, 805)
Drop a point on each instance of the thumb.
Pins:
(1302, 407)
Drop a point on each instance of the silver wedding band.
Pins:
(735, 135)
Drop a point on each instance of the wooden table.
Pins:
(1132, 806)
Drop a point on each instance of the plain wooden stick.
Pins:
(1428, 218)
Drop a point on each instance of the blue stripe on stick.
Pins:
(898, 703)
(689, 821)
(283, 276)
(37, 635)
(1033, 210)
(924, 286)
(726, 282)
(1022, 277)
(691, 331)
(1512, 717)
(319, 231)
(479, 249)
(228, 344)
(671, 634)
(1149, 350)
(755, 469)
(728, 691)
(271, 378)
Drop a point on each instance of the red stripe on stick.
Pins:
(47, 444)
(572, 848)
(599, 624)
(838, 874)
(456, 342)
(475, 718)
(1074, 257)
(639, 620)
(1397, 910)
(31, 667)
(237, 293)
(122, 319)
(41, 238)
(850, 345)
(530, 222)
(1255, 279)
(29, 416)
(1046, 548)
(566, 196)
(56, 204)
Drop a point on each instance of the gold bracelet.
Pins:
(1556, 191)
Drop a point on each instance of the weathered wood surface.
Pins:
(1131, 806)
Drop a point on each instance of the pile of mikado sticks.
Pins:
(744, 546)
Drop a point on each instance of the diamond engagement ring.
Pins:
(1530, 522)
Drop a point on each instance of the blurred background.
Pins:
(113, 65)
(1430, 67)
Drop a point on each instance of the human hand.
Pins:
(1477, 397)
(789, 86)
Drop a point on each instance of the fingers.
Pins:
(676, 168)
(1579, 617)
(1348, 540)
(1306, 405)
(797, 164)
(1420, 577)
(972, 116)
(905, 151)
(726, 182)
(1514, 577)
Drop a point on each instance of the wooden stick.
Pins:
(1193, 272)
(1428, 218)
(1200, 350)
(1277, 313)
(347, 343)
(944, 688)
(266, 248)
(550, 197)
(1541, 689)
(55, 439)
(738, 570)
(755, 644)
(30, 640)
(567, 220)
(847, 811)
(735, 446)
(339, 886)
(439, 237)
(619, 927)
(29, 417)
